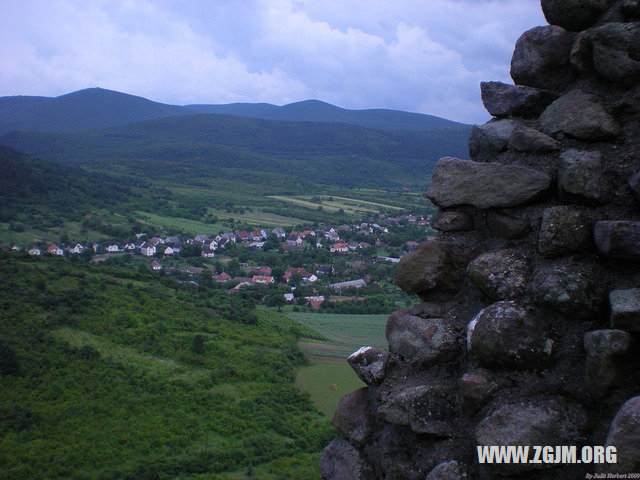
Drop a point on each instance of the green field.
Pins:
(344, 333)
(327, 383)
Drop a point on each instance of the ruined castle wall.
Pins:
(529, 327)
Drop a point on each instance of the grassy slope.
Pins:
(109, 386)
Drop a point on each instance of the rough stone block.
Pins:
(508, 224)
(501, 275)
(525, 139)
(624, 434)
(573, 289)
(580, 115)
(574, 15)
(352, 417)
(452, 221)
(563, 230)
(488, 140)
(618, 238)
(420, 340)
(541, 58)
(542, 422)
(581, 173)
(484, 185)
(613, 50)
(434, 268)
(603, 348)
(503, 100)
(370, 364)
(451, 470)
(506, 335)
(426, 409)
(476, 389)
(625, 309)
(342, 461)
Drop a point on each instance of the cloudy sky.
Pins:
(418, 55)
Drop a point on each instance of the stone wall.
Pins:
(528, 329)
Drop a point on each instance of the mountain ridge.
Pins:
(93, 108)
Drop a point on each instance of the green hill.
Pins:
(98, 108)
(320, 152)
(84, 109)
(111, 373)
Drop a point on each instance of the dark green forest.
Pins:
(108, 372)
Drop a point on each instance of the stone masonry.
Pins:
(527, 326)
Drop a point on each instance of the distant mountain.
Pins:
(197, 145)
(99, 108)
(317, 111)
(81, 110)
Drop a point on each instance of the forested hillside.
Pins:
(113, 373)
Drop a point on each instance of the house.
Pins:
(288, 297)
(55, 250)
(350, 284)
(140, 235)
(75, 248)
(113, 248)
(169, 251)
(279, 232)
(207, 253)
(129, 246)
(35, 251)
(155, 265)
(312, 279)
(201, 238)
(325, 270)
(315, 304)
(291, 271)
(237, 288)
(223, 277)
(264, 271)
(306, 233)
(339, 247)
(262, 279)
(257, 245)
(388, 259)
(194, 270)
(15, 248)
(155, 241)
(212, 244)
(172, 240)
(352, 246)
(242, 235)
(147, 250)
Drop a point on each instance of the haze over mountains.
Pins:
(97, 108)
(311, 140)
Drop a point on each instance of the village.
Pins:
(310, 267)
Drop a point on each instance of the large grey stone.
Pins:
(571, 288)
(501, 275)
(352, 417)
(580, 115)
(525, 139)
(581, 173)
(547, 421)
(342, 461)
(434, 268)
(508, 224)
(625, 309)
(624, 434)
(507, 335)
(476, 389)
(503, 100)
(426, 409)
(452, 221)
(613, 50)
(563, 230)
(420, 340)
(604, 348)
(618, 238)
(488, 140)
(484, 185)
(450, 470)
(541, 58)
(370, 364)
(574, 15)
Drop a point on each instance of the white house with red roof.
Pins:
(339, 247)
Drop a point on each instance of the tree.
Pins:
(197, 345)
(8, 359)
